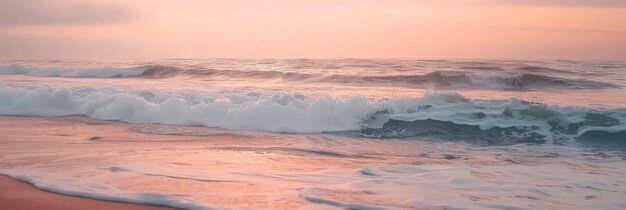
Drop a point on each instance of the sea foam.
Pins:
(81, 188)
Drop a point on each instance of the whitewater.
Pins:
(319, 133)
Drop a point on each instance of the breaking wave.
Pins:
(446, 115)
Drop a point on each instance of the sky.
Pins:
(421, 29)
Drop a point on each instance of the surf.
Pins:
(447, 114)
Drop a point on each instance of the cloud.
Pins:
(47, 12)
(523, 3)
(544, 29)
(33, 46)
(564, 3)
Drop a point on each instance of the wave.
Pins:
(292, 113)
(472, 80)
(497, 122)
(501, 80)
(607, 138)
(506, 80)
(445, 114)
(439, 79)
(97, 72)
(539, 69)
(163, 71)
(145, 71)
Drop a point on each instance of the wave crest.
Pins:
(448, 115)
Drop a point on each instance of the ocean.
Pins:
(319, 133)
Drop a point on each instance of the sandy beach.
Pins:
(19, 195)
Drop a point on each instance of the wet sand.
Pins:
(195, 168)
(19, 195)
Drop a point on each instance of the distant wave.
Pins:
(97, 72)
(509, 80)
(440, 79)
(162, 71)
(449, 115)
(539, 69)
(501, 80)
(472, 80)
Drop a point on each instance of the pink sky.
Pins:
(116, 29)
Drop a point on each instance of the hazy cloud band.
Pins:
(45, 12)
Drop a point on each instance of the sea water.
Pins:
(320, 133)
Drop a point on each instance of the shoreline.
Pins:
(16, 194)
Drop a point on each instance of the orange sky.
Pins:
(116, 29)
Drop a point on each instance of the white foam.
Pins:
(311, 193)
(461, 187)
(286, 112)
(97, 72)
(81, 188)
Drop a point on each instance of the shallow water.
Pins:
(311, 134)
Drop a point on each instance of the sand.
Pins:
(19, 195)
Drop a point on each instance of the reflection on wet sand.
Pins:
(222, 168)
